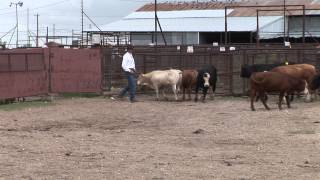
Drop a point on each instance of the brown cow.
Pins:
(189, 80)
(274, 82)
(302, 71)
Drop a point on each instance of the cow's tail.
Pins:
(179, 81)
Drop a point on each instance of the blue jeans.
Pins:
(131, 87)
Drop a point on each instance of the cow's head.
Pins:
(143, 80)
(246, 71)
(206, 77)
(315, 83)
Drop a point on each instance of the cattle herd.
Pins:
(283, 79)
(177, 79)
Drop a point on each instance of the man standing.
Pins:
(128, 66)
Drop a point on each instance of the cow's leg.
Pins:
(213, 92)
(164, 94)
(263, 99)
(189, 93)
(265, 96)
(288, 101)
(204, 91)
(284, 99)
(253, 95)
(184, 93)
(196, 95)
(314, 94)
(258, 97)
(292, 97)
(157, 92)
(308, 93)
(174, 89)
(280, 100)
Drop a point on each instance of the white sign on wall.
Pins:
(190, 49)
(96, 39)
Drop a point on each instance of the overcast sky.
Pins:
(65, 14)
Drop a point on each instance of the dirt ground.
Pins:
(98, 138)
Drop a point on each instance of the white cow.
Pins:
(158, 79)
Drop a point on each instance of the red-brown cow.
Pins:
(302, 71)
(275, 82)
(189, 81)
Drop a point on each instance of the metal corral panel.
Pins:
(22, 73)
(23, 84)
(75, 70)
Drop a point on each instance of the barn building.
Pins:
(206, 22)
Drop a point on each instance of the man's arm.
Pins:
(133, 70)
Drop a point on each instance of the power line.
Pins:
(91, 21)
(39, 7)
(8, 32)
(4, 9)
(11, 36)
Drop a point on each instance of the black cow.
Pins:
(206, 77)
(247, 70)
(315, 83)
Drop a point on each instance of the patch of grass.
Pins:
(79, 95)
(24, 105)
(302, 132)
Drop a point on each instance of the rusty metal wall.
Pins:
(31, 72)
(22, 73)
(74, 70)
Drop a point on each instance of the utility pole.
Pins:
(54, 30)
(155, 22)
(28, 30)
(81, 22)
(284, 21)
(37, 38)
(17, 20)
(47, 35)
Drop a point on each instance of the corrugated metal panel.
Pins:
(189, 24)
(179, 6)
(237, 11)
(179, 14)
(272, 30)
(312, 27)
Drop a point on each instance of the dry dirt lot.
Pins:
(100, 138)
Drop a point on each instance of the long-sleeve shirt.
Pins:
(128, 62)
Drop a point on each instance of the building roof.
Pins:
(179, 6)
(209, 17)
(187, 21)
